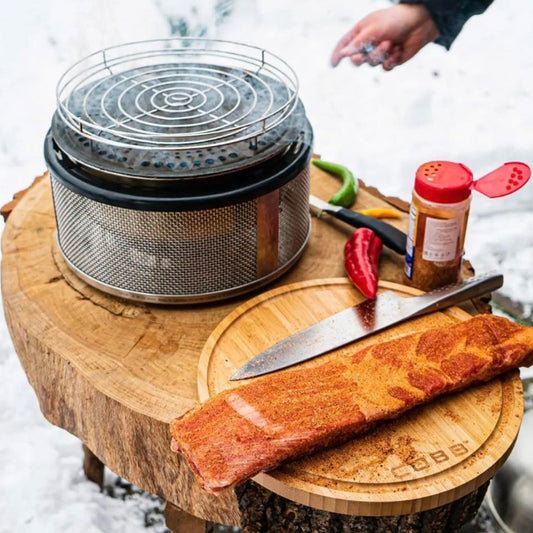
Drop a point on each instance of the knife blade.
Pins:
(391, 236)
(360, 321)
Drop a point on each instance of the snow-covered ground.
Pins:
(470, 105)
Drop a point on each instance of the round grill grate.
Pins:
(164, 108)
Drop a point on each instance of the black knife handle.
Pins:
(391, 236)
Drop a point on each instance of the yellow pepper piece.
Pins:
(380, 212)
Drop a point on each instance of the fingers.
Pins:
(373, 55)
(399, 55)
(336, 55)
(409, 50)
(379, 54)
(358, 59)
(394, 59)
(409, 27)
(361, 45)
(364, 42)
(358, 50)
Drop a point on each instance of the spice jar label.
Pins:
(441, 239)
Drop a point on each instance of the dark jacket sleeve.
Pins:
(450, 15)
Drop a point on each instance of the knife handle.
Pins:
(457, 293)
(391, 236)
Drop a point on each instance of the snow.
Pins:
(470, 105)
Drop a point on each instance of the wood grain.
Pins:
(6, 209)
(431, 456)
(114, 373)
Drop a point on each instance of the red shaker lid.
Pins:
(443, 182)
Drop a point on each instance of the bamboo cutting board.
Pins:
(428, 457)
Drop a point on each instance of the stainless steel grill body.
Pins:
(180, 257)
(180, 169)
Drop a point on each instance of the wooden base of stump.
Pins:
(263, 511)
(93, 467)
(179, 521)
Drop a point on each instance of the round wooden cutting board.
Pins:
(429, 457)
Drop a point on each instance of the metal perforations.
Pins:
(173, 253)
(167, 253)
(294, 216)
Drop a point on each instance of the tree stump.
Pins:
(263, 511)
(115, 373)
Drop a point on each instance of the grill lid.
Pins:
(178, 108)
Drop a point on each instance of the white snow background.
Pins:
(471, 105)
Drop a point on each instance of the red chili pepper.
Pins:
(361, 257)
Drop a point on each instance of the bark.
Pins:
(263, 511)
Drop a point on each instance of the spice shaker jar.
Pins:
(437, 224)
(439, 213)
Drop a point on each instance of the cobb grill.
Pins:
(179, 169)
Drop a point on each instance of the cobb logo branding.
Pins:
(423, 462)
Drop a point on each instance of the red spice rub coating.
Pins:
(296, 412)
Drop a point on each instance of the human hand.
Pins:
(387, 37)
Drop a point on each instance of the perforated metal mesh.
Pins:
(293, 216)
(175, 254)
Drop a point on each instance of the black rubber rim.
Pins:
(185, 195)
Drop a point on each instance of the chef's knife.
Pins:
(391, 236)
(360, 321)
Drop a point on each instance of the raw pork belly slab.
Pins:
(256, 427)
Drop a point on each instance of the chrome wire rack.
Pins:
(176, 94)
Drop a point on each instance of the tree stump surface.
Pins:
(115, 373)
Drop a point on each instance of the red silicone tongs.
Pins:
(504, 180)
